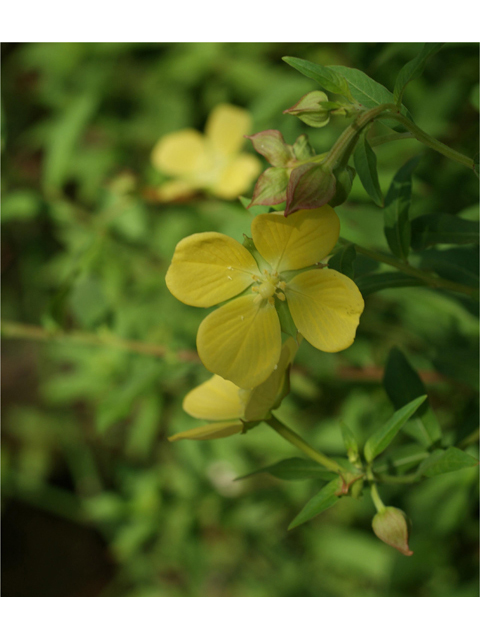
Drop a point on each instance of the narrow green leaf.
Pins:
(397, 204)
(324, 499)
(380, 440)
(366, 166)
(326, 77)
(459, 264)
(65, 136)
(401, 459)
(343, 260)
(373, 282)
(402, 384)
(294, 469)
(452, 459)
(368, 92)
(414, 69)
(443, 228)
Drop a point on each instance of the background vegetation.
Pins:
(96, 501)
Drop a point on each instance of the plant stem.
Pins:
(433, 281)
(406, 479)
(346, 139)
(390, 137)
(30, 332)
(431, 142)
(300, 443)
(377, 501)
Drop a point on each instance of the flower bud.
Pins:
(310, 109)
(344, 178)
(310, 186)
(390, 525)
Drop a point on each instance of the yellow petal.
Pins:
(299, 241)
(241, 341)
(226, 127)
(237, 176)
(208, 268)
(326, 308)
(181, 153)
(209, 431)
(174, 190)
(264, 397)
(215, 399)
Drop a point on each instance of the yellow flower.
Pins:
(241, 340)
(211, 162)
(221, 400)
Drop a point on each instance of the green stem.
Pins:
(30, 332)
(431, 142)
(406, 479)
(346, 140)
(377, 501)
(300, 443)
(431, 280)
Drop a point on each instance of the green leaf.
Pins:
(294, 469)
(402, 384)
(343, 260)
(443, 228)
(368, 92)
(400, 460)
(366, 166)
(64, 138)
(459, 264)
(326, 77)
(380, 440)
(373, 282)
(397, 204)
(23, 204)
(324, 499)
(413, 69)
(452, 459)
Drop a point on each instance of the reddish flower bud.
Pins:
(310, 186)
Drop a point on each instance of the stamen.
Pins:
(280, 295)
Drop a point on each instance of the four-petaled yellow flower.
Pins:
(212, 162)
(241, 340)
(229, 406)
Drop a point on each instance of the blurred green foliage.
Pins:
(96, 501)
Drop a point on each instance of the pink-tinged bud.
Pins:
(310, 186)
(271, 144)
(390, 525)
(271, 187)
(310, 109)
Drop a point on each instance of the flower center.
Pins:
(267, 286)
